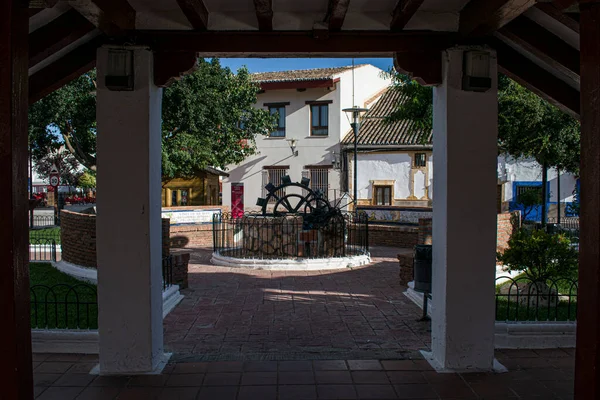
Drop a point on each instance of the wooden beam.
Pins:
(403, 12)
(423, 67)
(116, 12)
(336, 13)
(295, 44)
(481, 17)
(559, 16)
(170, 66)
(195, 11)
(64, 70)
(56, 35)
(264, 14)
(40, 4)
(548, 47)
(587, 352)
(15, 335)
(536, 79)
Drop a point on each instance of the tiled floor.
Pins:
(233, 314)
(541, 375)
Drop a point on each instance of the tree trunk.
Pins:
(544, 194)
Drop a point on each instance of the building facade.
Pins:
(309, 104)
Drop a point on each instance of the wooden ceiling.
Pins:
(537, 41)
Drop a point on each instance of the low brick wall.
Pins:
(406, 268)
(505, 231)
(191, 235)
(392, 235)
(78, 238)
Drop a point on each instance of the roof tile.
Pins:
(301, 74)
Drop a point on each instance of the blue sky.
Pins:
(282, 64)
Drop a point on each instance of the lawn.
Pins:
(59, 301)
(44, 235)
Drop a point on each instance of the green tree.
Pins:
(86, 180)
(207, 120)
(528, 126)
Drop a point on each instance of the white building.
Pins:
(309, 103)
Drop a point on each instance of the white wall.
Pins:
(383, 166)
(530, 171)
(311, 150)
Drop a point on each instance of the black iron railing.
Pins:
(42, 249)
(522, 299)
(289, 236)
(568, 225)
(63, 306)
(167, 272)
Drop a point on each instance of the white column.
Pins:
(129, 221)
(464, 219)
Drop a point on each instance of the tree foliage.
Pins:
(529, 199)
(528, 126)
(207, 120)
(86, 180)
(65, 162)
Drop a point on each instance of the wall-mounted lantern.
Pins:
(292, 143)
(119, 70)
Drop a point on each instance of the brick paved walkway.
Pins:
(234, 314)
(541, 375)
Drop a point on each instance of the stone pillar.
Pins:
(15, 335)
(169, 198)
(465, 126)
(587, 357)
(129, 227)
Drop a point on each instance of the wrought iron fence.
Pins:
(63, 306)
(522, 299)
(289, 236)
(44, 221)
(167, 272)
(568, 225)
(42, 249)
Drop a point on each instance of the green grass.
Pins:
(40, 236)
(55, 304)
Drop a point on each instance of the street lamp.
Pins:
(355, 112)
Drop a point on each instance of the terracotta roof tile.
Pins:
(301, 74)
(374, 130)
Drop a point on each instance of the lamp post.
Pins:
(356, 113)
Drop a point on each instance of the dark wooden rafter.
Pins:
(264, 14)
(336, 14)
(171, 66)
(195, 11)
(293, 44)
(423, 67)
(56, 35)
(481, 17)
(40, 4)
(548, 47)
(118, 13)
(63, 70)
(557, 14)
(403, 12)
(538, 80)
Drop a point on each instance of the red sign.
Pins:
(237, 200)
(54, 180)
(51, 188)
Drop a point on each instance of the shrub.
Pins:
(540, 255)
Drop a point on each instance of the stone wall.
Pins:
(505, 230)
(78, 238)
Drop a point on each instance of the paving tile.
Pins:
(333, 377)
(148, 380)
(190, 368)
(225, 366)
(364, 365)
(260, 366)
(330, 365)
(370, 377)
(258, 392)
(259, 378)
(400, 365)
(297, 392)
(38, 390)
(60, 393)
(74, 380)
(64, 357)
(296, 378)
(185, 380)
(218, 393)
(139, 393)
(111, 381)
(222, 379)
(403, 377)
(375, 392)
(420, 391)
(53, 367)
(295, 366)
(456, 389)
(179, 393)
(45, 379)
(98, 393)
(82, 367)
(336, 392)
